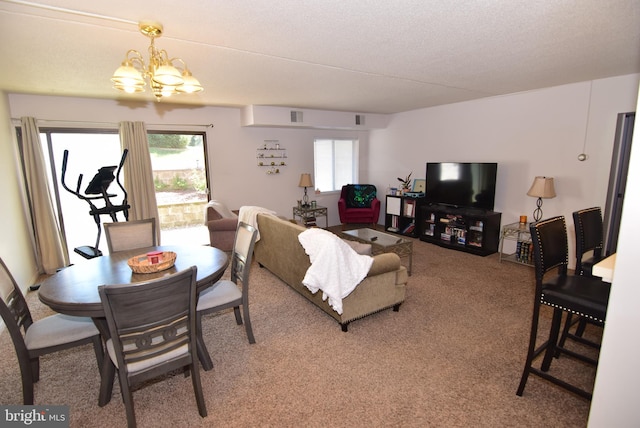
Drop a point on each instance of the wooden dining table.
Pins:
(74, 289)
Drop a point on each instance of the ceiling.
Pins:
(368, 56)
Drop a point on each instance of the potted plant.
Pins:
(406, 183)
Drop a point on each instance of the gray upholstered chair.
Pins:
(45, 336)
(129, 235)
(222, 224)
(152, 327)
(226, 293)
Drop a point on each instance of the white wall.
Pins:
(15, 245)
(532, 133)
(615, 398)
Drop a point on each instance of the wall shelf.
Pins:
(271, 156)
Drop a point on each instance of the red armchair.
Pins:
(358, 204)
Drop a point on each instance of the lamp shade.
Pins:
(305, 181)
(127, 76)
(190, 84)
(542, 187)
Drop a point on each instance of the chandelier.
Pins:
(166, 76)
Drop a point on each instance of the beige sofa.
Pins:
(279, 250)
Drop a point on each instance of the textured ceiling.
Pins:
(362, 56)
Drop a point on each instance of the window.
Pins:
(335, 163)
(178, 163)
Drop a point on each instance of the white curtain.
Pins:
(138, 174)
(49, 247)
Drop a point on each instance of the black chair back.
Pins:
(550, 246)
(589, 237)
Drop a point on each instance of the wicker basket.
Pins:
(141, 263)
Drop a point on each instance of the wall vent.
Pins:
(296, 116)
(359, 119)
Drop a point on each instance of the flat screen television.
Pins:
(461, 184)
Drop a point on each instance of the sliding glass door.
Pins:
(179, 167)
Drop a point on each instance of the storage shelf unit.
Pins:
(465, 229)
(402, 215)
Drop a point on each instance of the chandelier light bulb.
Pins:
(167, 91)
(128, 87)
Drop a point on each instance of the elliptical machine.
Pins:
(98, 190)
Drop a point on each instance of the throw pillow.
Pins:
(361, 195)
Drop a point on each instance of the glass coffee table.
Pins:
(382, 243)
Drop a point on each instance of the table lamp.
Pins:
(305, 181)
(542, 187)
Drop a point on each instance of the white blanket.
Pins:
(249, 215)
(336, 268)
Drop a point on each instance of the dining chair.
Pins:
(152, 328)
(44, 336)
(129, 235)
(575, 294)
(228, 293)
(589, 241)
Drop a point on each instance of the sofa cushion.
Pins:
(359, 247)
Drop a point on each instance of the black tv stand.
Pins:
(469, 229)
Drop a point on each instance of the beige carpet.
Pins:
(451, 357)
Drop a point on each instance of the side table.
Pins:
(308, 215)
(518, 232)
